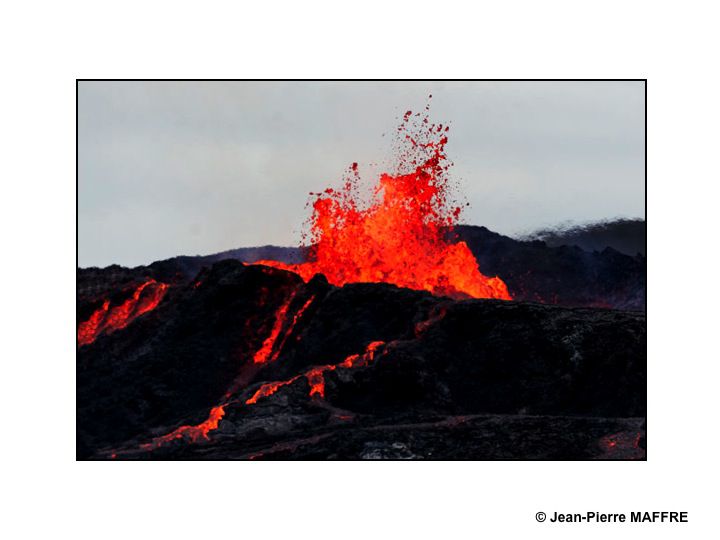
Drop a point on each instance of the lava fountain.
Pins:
(403, 233)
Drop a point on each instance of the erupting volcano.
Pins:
(394, 354)
(402, 234)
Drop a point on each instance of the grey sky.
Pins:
(184, 168)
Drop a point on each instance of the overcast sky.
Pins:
(185, 168)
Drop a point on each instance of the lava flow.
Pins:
(316, 380)
(268, 352)
(191, 433)
(265, 352)
(106, 319)
(401, 235)
(316, 376)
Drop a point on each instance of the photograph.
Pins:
(319, 270)
(366, 269)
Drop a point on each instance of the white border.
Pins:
(48, 44)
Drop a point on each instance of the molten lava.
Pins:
(268, 389)
(401, 235)
(108, 319)
(265, 352)
(262, 355)
(316, 375)
(190, 433)
(268, 352)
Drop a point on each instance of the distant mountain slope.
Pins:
(563, 275)
(627, 236)
(189, 266)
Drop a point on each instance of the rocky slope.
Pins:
(627, 236)
(251, 362)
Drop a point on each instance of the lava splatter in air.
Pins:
(402, 234)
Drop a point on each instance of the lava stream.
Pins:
(105, 319)
(267, 352)
(316, 375)
(191, 433)
(268, 389)
(263, 354)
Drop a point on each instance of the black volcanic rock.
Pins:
(188, 266)
(179, 358)
(452, 379)
(627, 236)
(507, 357)
(451, 437)
(563, 275)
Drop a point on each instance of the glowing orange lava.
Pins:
(268, 389)
(400, 235)
(262, 355)
(265, 352)
(106, 319)
(191, 433)
(268, 352)
(316, 375)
